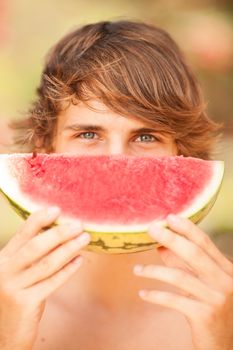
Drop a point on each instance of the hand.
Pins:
(204, 276)
(32, 266)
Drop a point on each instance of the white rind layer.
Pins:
(208, 192)
(10, 187)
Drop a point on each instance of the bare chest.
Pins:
(166, 331)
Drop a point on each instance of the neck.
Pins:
(109, 281)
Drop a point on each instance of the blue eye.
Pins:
(146, 138)
(87, 135)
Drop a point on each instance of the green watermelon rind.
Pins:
(119, 242)
(98, 239)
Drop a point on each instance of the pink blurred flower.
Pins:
(209, 40)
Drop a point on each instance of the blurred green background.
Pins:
(204, 30)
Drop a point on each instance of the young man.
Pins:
(115, 88)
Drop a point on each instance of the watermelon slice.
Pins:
(117, 197)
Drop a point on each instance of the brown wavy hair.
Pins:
(135, 69)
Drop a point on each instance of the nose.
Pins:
(117, 146)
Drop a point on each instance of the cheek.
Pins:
(62, 146)
(174, 149)
(166, 150)
(160, 150)
(72, 146)
(169, 150)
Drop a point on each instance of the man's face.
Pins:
(81, 130)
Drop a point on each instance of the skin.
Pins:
(178, 296)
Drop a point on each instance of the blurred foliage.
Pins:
(203, 28)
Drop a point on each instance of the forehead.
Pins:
(96, 113)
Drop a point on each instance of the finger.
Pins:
(192, 309)
(42, 244)
(33, 225)
(180, 279)
(191, 231)
(54, 262)
(172, 260)
(44, 289)
(198, 260)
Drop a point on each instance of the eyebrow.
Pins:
(87, 127)
(84, 127)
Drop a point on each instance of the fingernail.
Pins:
(156, 231)
(143, 293)
(172, 217)
(84, 238)
(53, 211)
(138, 269)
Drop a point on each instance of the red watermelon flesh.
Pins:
(112, 189)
